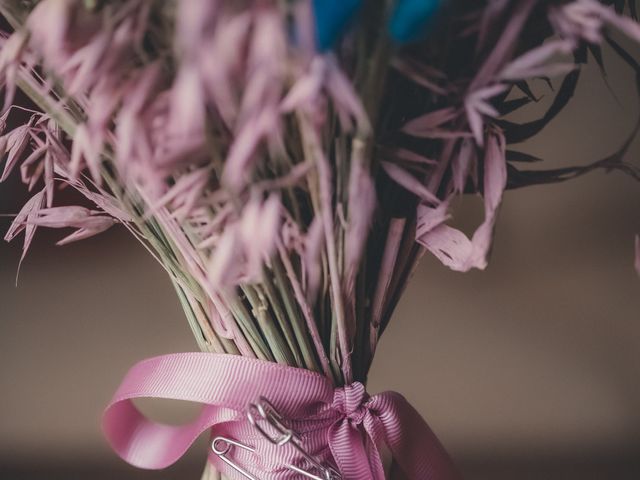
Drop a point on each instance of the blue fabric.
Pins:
(411, 19)
(332, 20)
(409, 22)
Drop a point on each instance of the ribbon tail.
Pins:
(414, 446)
(349, 451)
(375, 430)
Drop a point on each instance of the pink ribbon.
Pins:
(343, 425)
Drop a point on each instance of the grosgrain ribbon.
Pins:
(353, 425)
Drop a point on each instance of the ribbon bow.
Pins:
(342, 424)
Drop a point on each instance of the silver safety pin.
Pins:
(221, 447)
(264, 411)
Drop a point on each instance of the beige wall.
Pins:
(540, 353)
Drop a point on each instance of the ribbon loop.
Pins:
(343, 424)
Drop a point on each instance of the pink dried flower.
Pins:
(224, 267)
(585, 20)
(305, 94)
(83, 67)
(31, 168)
(246, 244)
(477, 106)
(86, 150)
(408, 181)
(430, 121)
(194, 20)
(17, 141)
(451, 246)
(25, 221)
(220, 64)
(462, 165)
(88, 222)
(345, 99)
(361, 207)
(11, 53)
(238, 153)
(48, 26)
(312, 259)
(259, 231)
(188, 102)
(185, 194)
(324, 75)
(3, 121)
(430, 218)
(266, 63)
(243, 152)
(535, 63)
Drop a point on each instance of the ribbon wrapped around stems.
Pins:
(341, 425)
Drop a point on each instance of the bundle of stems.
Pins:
(289, 190)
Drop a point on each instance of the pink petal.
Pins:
(408, 181)
(521, 67)
(461, 165)
(626, 25)
(17, 141)
(223, 268)
(48, 25)
(3, 123)
(429, 121)
(311, 260)
(451, 246)
(62, 217)
(185, 185)
(495, 172)
(485, 108)
(193, 18)
(31, 207)
(86, 146)
(30, 229)
(96, 226)
(219, 65)
(30, 170)
(420, 74)
(428, 218)
(441, 134)
(260, 227)
(307, 89)
(409, 156)
(237, 169)
(84, 64)
(345, 99)
(361, 207)
(10, 55)
(505, 45)
(476, 124)
(188, 102)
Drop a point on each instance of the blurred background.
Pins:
(528, 370)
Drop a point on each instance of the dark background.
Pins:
(529, 370)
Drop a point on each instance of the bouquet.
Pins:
(288, 163)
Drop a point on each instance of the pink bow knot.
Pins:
(352, 402)
(352, 424)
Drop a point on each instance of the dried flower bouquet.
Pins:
(288, 162)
